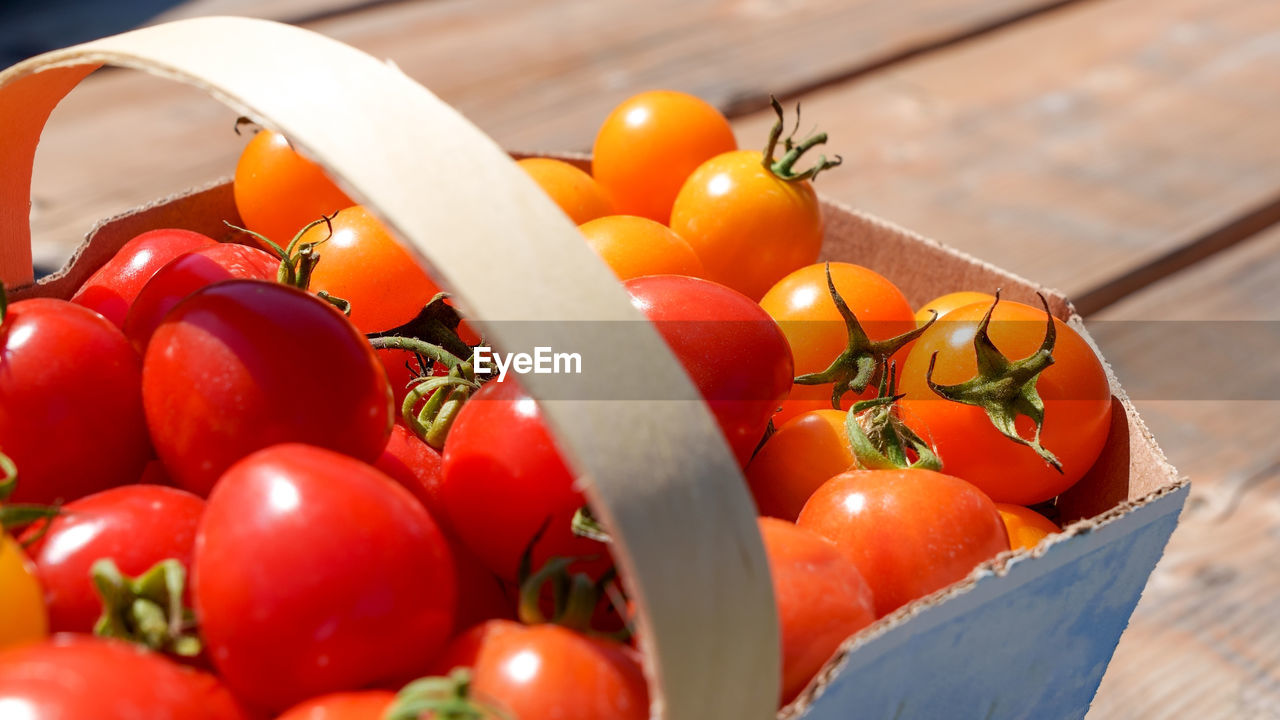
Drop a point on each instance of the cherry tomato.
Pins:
(312, 561)
(801, 303)
(1074, 389)
(362, 705)
(944, 304)
(910, 532)
(576, 192)
(73, 677)
(277, 191)
(822, 599)
(650, 144)
(70, 408)
(635, 246)
(735, 354)
(111, 289)
(1026, 527)
(415, 465)
(801, 455)
(187, 273)
(245, 364)
(137, 526)
(22, 613)
(548, 672)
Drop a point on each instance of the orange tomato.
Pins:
(23, 618)
(277, 191)
(796, 460)
(650, 144)
(802, 305)
(946, 303)
(576, 192)
(634, 246)
(1026, 527)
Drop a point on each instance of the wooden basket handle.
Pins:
(657, 470)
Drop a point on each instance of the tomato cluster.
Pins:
(262, 477)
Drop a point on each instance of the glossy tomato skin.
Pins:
(634, 247)
(801, 303)
(111, 289)
(415, 465)
(277, 191)
(650, 144)
(548, 672)
(1025, 526)
(187, 273)
(313, 561)
(23, 618)
(574, 191)
(361, 705)
(822, 599)
(245, 364)
(70, 407)
(735, 353)
(1075, 392)
(796, 460)
(137, 526)
(909, 532)
(73, 677)
(944, 304)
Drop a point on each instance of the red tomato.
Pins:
(1026, 527)
(246, 364)
(548, 672)
(734, 352)
(137, 526)
(187, 273)
(362, 705)
(415, 465)
(1074, 390)
(313, 562)
(803, 454)
(822, 600)
(74, 677)
(278, 191)
(112, 288)
(70, 409)
(910, 532)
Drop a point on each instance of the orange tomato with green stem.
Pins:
(278, 191)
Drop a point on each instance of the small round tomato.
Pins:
(634, 246)
(70, 408)
(277, 191)
(111, 289)
(801, 455)
(23, 618)
(361, 705)
(187, 273)
(910, 532)
(415, 465)
(136, 526)
(1026, 527)
(822, 599)
(576, 192)
(309, 560)
(1074, 390)
(549, 672)
(801, 303)
(650, 144)
(245, 364)
(944, 304)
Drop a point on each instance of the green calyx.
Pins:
(1005, 388)
(146, 610)
(445, 396)
(586, 525)
(863, 360)
(441, 698)
(784, 168)
(298, 260)
(575, 597)
(4, 303)
(879, 437)
(15, 517)
(436, 324)
(8, 474)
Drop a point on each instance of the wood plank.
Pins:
(537, 75)
(1076, 146)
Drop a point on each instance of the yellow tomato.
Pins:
(23, 617)
(1026, 526)
(635, 246)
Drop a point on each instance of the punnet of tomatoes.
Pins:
(263, 474)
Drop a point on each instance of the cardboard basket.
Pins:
(1027, 634)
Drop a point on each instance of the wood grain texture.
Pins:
(1075, 146)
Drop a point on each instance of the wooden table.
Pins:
(1125, 151)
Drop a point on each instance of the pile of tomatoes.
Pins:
(264, 478)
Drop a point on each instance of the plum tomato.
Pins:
(574, 191)
(805, 452)
(1026, 527)
(634, 246)
(111, 289)
(277, 191)
(23, 618)
(944, 304)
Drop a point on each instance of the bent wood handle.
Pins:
(657, 470)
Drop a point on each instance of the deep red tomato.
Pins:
(73, 677)
(910, 532)
(137, 526)
(70, 409)
(548, 672)
(822, 600)
(315, 562)
(1074, 390)
(415, 465)
(362, 705)
(278, 191)
(187, 273)
(734, 352)
(112, 288)
(245, 364)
